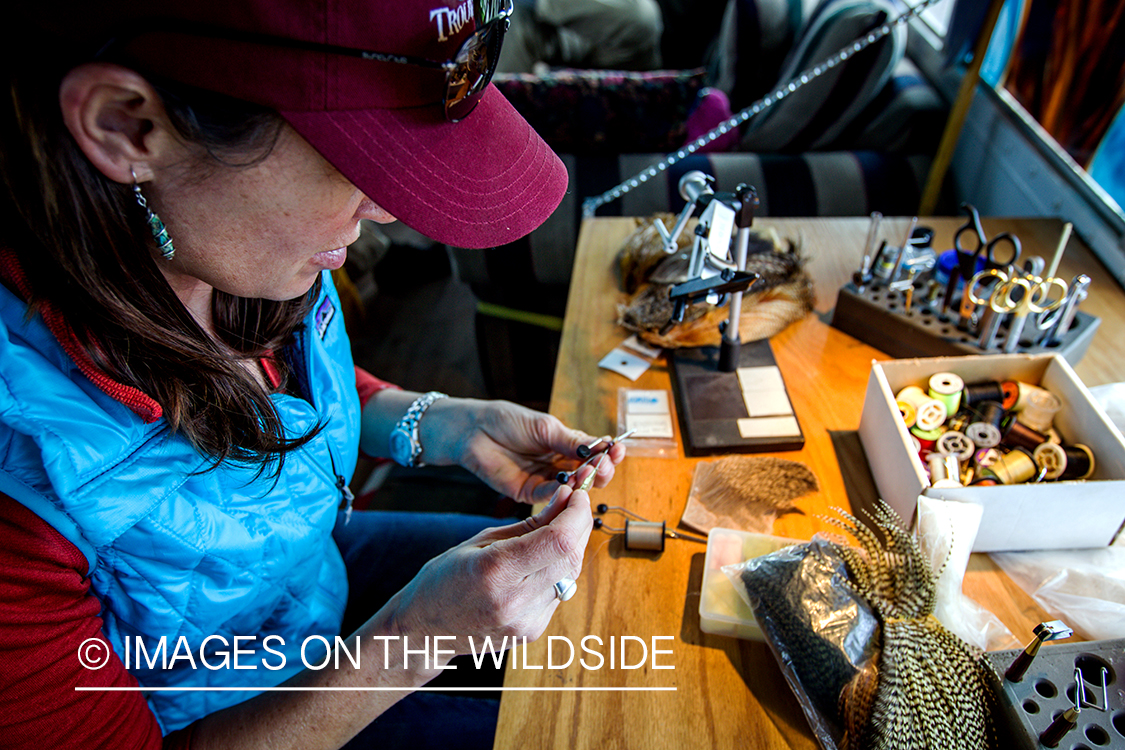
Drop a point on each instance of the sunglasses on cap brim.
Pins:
(467, 75)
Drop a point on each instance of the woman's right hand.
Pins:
(499, 583)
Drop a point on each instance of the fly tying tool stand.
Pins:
(887, 305)
(1067, 695)
(641, 533)
(706, 381)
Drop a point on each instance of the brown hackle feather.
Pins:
(782, 295)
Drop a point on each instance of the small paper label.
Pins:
(767, 404)
(647, 402)
(760, 378)
(621, 361)
(649, 425)
(768, 427)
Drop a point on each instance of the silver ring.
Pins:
(565, 589)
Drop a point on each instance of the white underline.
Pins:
(284, 689)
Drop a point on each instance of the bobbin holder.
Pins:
(1047, 689)
(879, 317)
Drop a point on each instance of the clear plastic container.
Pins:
(721, 610)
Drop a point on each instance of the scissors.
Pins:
(1016, 294)
(982, 255)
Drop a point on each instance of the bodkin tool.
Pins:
(585, 451)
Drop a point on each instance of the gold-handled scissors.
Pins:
(1018, 295)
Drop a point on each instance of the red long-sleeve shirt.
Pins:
(46, 613)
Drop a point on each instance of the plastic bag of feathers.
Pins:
(783, 295)
(854, 633)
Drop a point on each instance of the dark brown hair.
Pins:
(86, 251)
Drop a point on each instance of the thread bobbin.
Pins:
(957, 443)
(908, 413)
(1052, 458)
(645, 535)
(1016, 467)
(985, 430)
(1040, 409)
(930, 413)
(946, 387)
(983, 434)
(988, 390)
(1019, 434)
(1065, 462)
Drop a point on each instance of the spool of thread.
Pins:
(1021, 435)
(1023, 393)
(1065, 462)
(936, 464)
(644, 535)
(911, 394)
(916, 443)
(983, 434)
(1039, 410)
(991, 412)
(1015, 467)
(1079, 462)
(931, 415)
(1011, 391)
(984, 482)
(926, 438)
(956, 443)
(945, 470)
(988, 390)
(1052, 458)
(929, 412)
(946, 387)
(908, 413)
(984, 431)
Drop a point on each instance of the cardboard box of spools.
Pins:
(1047, 515)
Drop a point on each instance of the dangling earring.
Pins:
(155, 225)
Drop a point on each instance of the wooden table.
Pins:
(728, 692)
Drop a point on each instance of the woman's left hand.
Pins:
(515, 450)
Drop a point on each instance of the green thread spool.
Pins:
(946, 387)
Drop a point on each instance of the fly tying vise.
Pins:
(641, 533)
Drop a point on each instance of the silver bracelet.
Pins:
(404, 442)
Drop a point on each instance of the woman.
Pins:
(179, 415)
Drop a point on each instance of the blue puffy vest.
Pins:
(177, 554)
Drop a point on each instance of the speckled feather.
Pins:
(783, 294)
(931, 690)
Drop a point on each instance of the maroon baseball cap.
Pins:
(482, 181)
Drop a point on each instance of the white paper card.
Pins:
(760, 378)
(641, 347)
(647, 402)
(649, 425)
(768, 427)
(621, 361)
(767, 403)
